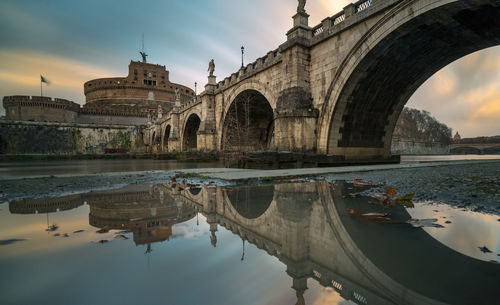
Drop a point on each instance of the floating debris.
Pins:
(358, 182)
(484, 249)
(7, 242)
(52, 228)
(57, 235)
(372, 216)
(78, 231)
(103, 230)
(103, 241)
(389, 198)
(422, 223)
(66, 235)
(448, 222)
(120, 236)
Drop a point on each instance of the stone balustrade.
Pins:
(340, 17)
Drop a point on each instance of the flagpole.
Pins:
(41, 91)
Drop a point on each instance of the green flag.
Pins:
(44, 80)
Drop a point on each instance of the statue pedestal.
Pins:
(212, 80)
(300, 28)
(301, 18)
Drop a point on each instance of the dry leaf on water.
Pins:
(103, 230)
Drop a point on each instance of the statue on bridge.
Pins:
(211, 67)
(177, 94)
(302, 6)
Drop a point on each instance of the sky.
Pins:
(71, 42)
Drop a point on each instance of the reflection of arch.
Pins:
(465, 151)
(415, 256)
(381, 72)
(3, 145)
(166, 136)
(495, 150)
(248, 123)
(251, 202)
(190, 137)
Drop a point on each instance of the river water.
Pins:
(27, 169)
(294, 243)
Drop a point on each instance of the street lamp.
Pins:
(242, 52)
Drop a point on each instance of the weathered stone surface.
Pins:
(338, 88)
(57, 138)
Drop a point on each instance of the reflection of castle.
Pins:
(145, 211)
(304, 227)
(45, 205)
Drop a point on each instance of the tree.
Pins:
(421, 126)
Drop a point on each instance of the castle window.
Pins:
(144, 81)
(135, 71)
(154, 75)
(154, 83)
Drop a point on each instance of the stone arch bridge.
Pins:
(336, 88)
(475, 148)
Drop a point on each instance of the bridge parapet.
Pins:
(265, 62)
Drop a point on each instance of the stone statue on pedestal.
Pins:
(211, 67)
(301, 7)
(160, 112)
(177, 95)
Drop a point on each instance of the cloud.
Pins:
(444, 83)
(487, 101)
(23, 69)
(465, 95)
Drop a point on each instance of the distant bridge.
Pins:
(336, 88)
(475, 148)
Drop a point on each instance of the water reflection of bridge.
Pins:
(304, 227)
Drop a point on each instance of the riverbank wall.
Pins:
(22, 137)
(409, 147)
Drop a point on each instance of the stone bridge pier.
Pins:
(335, 89)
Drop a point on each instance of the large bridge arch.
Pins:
(410, 42)
(247, 122)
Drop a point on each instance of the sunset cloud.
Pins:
(23, 69)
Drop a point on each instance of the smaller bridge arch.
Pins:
(190, 131)
(166, 135)
(248, 122)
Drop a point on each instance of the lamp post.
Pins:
(242, 52)
(195, 87)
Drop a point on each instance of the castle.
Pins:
(128, 100)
